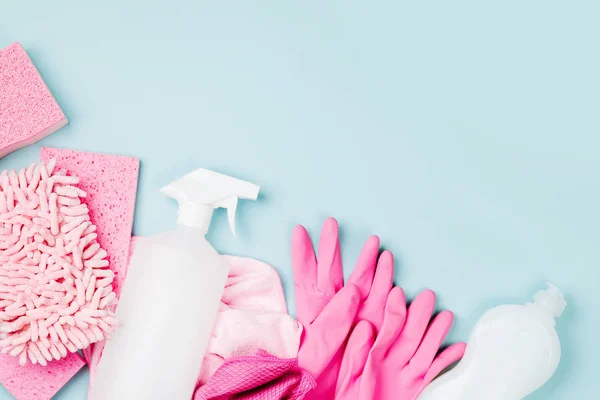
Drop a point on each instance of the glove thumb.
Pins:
(446, 358)
(329, 331)
(355, 357)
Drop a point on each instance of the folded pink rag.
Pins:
(258, 377)
(253, 316)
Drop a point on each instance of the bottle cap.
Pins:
(551, 300)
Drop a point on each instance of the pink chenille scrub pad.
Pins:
(55, 286)
(111, 184)
(28, 111)
(56, 292)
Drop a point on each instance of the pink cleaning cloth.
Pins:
(252, 285)
(28, 112)
(257, 377)
(35, 382)
(110, 182)
(253, 317)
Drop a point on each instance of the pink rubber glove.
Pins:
(326, 308)
(400, 361)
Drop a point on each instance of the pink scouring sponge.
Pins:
(111, 184)
(36, 382)
(55, 288)
(28, 112)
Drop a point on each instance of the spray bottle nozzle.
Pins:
(230, 204)
(201, 191)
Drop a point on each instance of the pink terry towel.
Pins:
(253, 316)
(258, 377)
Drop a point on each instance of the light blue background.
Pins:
(464, 133)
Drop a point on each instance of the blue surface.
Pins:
(464, 133)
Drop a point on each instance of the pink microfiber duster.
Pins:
(55, 287)
(28, 112)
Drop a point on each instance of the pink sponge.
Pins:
(28, 112)
(111, 184)
(35, 382)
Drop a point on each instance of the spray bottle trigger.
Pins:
(230, 204)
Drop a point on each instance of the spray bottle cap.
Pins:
(551, 300)
(201, 191)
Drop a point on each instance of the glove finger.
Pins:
(330, 276)
(355, 357)
(304, 262)
(417, 319)
(434, 337)
(393, 323)
(304, 265)
(446, 358)
(383, 281)
(363, 273)
(330, 329)
(395, 317)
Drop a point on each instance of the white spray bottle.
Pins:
(171, 298)
(513, 350)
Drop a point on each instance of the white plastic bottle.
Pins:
(513, 350)
(170, 299)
